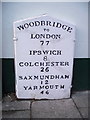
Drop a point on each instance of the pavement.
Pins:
(75, 107)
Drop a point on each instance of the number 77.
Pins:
(43, 42)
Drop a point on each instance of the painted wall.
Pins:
(89, 29)
(75, 13)
(0, 30)
(45, 0)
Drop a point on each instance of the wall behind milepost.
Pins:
(75, 13)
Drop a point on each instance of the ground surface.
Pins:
(75, 107)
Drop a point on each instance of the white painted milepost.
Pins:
(44, 50)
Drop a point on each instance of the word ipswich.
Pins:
(44, 23)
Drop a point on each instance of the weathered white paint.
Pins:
(29, 63)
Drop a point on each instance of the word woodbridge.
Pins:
(44, 23)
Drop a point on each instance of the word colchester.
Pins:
(44, 23)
